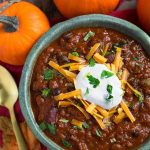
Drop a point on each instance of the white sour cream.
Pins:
(100, 94)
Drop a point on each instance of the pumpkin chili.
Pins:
(75, 123)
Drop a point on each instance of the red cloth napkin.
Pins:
(129, 15)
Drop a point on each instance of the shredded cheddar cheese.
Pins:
(113, 68)
(121, 115)
(99, 58)
(100, 122)
(63, 96)
(76, 58)
(66, 103)
(102, 111)
(127, 111)
(77, 123)
(117, 59)
(124, 77)
(69, 64)
(76, 67)
(69, 75)
(106, 49)
(92, 51)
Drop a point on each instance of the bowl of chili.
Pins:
(60, 85)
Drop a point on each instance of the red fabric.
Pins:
(129, 15)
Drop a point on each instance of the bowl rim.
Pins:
(93, 20)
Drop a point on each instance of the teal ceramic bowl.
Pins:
(54, 33)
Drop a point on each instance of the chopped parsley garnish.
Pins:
(140, 96)
(46, 92)
(86, 92)
(109, 88)
(64, 120)
(119, 73)
(42, 126)
(76, 127)
(88, 35)
(66, 143)
(85, 125)
(106, 74)
(48, 74)
(119, 44)
(135, 58)
(75, 54)
(113, 140)
(74, 49)
(98, 133)
(92, 62)
(109, 98)
(93, 81)
(114, 46)
(51, 128)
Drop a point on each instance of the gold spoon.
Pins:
(8, 97)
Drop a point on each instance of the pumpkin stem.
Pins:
(10, 2)
(10, 23)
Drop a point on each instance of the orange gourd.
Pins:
(21, 24)
(72, 8)
(143, 10)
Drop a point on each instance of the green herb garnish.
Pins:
(119, 73)
(119, 44)
(51, 128)
(135, 58)
(42, 126)
(87, 92)
(109, 98)
(98, 133)
(92, 62)
(109, 88)
(64, 120)
(106, 74)
(88, 35)
(75, 54)
(76, 127)
(113, 140)
(140, 96)
(85, 125)
(48, 74)
(46, 92)
(66, 143)
(93, 81)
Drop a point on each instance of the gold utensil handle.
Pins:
(19, 137)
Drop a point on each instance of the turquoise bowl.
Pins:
(54, 33)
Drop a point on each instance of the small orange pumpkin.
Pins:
(143, 10)
(21, 25)
(72, 8)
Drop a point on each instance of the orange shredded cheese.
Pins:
(108, 66)
(117, 59)
(66, 103)
(69, 64)
(77, 123)
(63, 96)
(106, 49)
(69, 75)
(127, 111)
(76, 58)
(99, 58)
(92, 51)
(102, 111)
(76, 67)
(124, 77)
(100, 122)
(113, 68)
(121, 115)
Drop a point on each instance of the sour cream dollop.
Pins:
(100, 86)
